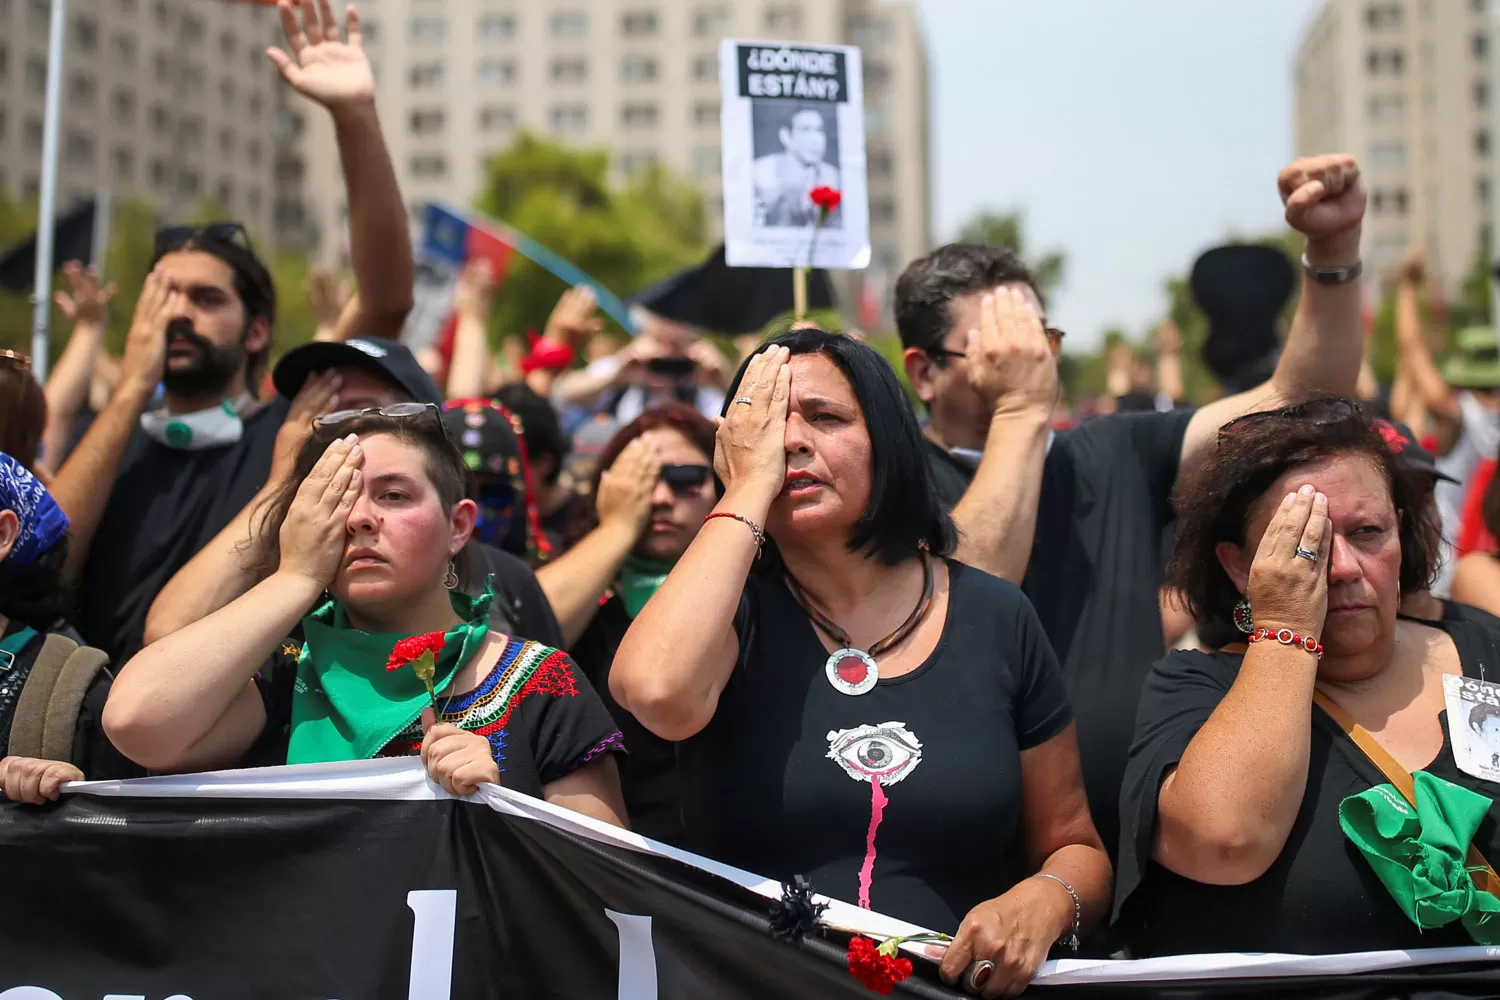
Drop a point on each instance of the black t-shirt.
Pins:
(778, 782)
(521, 608)
(1453, 611)
(1095, 573)
(93, 753)
(649, 779)
(1321, 895)
(541, 716)
(165, 505)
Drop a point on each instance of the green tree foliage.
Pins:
(1007, 230)
(626, 237)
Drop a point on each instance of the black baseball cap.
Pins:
(1400, 439)
(390, 359)
(486, 437)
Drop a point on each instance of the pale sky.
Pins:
(1133, 134)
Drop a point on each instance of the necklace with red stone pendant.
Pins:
(850, 670)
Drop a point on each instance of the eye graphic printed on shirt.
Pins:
(881, 755)
(1474, 725)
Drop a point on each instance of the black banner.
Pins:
(364, 882)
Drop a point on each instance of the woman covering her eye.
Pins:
(1265, 805)
(852, 704)
(370, 530)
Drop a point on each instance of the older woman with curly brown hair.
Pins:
(1305, 528)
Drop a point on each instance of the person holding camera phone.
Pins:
(666, 362)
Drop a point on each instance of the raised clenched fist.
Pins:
(1325, 201)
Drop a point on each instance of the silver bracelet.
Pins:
(1071, 940)
(1333, 275)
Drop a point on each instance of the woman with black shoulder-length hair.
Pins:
(854, 705)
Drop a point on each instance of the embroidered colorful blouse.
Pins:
(540, 715)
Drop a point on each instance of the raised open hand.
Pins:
(85, 302)
(327, 295)
(321, 67)
(574, 319)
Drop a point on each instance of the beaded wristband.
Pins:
(760, 535)
(1289, 638)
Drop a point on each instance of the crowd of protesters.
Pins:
(777, 614)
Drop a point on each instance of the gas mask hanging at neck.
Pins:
(215, 427)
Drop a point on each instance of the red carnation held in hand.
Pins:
(873, 967)
(826, 198)
(421, 651)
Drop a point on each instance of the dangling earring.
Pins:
(1243, 620)
(451, 579)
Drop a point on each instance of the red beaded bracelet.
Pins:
(1289, 638)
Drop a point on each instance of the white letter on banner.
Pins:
(637, 957)
(29, 993)
(436, 912)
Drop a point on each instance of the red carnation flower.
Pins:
(826, 198)
(421, 651)
(874, 968)
(1394, 439)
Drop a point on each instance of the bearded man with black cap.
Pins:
(155, 478)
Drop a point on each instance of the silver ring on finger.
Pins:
(744, 399)
(1307, 554)
(977, 975)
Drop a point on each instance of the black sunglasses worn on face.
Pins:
(171, 238)
(684, 480)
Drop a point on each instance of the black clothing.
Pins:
(1095, 573)
(165, 505)
(1453, 611)
(780, 782)
(649, 776)
(1321, 895)
(521, 608)
(539, 733)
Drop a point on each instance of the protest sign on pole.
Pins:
(792, 120)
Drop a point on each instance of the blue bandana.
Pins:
(42, 520)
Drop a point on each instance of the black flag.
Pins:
(72, 239)
(733, 300)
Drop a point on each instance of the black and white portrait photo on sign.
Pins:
(792, 122)
(796, 146)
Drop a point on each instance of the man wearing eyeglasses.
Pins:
(159, 474)
(1077, 517)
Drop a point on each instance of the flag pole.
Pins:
(47, 211)
(101, 229)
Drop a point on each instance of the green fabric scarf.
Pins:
(1419, 853)
(346, 705)
(638, 580)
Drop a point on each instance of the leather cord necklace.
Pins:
(850, 670)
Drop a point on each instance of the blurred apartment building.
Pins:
(172, 101)
(1405, 86)
(457, 78)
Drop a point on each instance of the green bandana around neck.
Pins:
(1420, 853)
(345, 704)
(638, 580)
